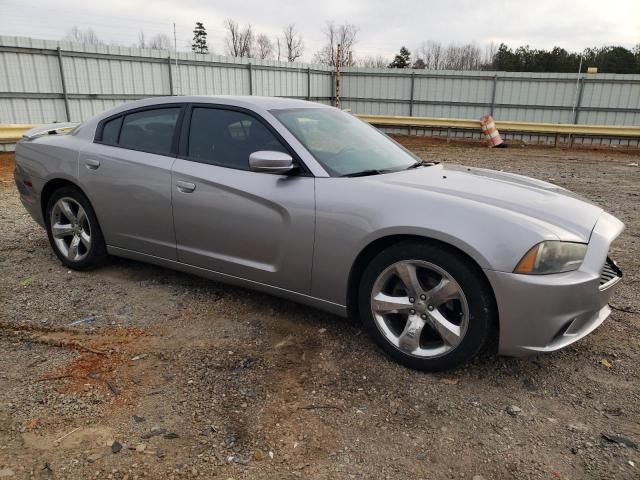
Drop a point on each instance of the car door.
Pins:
(253, 225)
(126, 173)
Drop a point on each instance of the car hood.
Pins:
(543, 201)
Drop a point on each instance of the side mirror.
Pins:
(268, 161)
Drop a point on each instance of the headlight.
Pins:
(552, 257)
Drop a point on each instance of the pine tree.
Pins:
(402, 60)
(199, 44)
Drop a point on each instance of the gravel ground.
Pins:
(184, 377)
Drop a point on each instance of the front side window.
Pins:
(227, 137)
(149, 130)
(343, 144)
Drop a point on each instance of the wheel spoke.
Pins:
(387, 304)
(449, 332)
(443, 292)
(85, 238)
(82, 215)
(73, 248)
(409, 339)
(61, 230)
(409, 277)
(67, 211)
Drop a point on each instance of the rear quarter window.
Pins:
(110, 131)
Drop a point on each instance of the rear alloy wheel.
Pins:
(70, 229)
(73, 230)
(425, 305)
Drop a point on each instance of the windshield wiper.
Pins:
(422, 164)
(364, 173)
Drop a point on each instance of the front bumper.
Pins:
(543, 313)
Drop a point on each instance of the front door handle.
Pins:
(185, 187)
(92, 164)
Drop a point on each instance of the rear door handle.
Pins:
(185, 187)
(92, 164)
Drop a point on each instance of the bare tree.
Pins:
(161, 41)
(239, 41)
(264, 47)
(247, 42)
(463, 57)
(438, 56)
(344, 35)
(370, 61)
(451, 57)
(88, 36)
(431, 54)
(489, 52)
(233, 37)
(293, 42)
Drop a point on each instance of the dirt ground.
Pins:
(185, 377)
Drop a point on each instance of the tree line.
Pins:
(608, 59)
(245, 41)
(434, 56)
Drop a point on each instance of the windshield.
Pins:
(343, 144)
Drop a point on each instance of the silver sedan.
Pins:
(307, 202)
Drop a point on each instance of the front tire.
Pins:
(426, 305)
(73, 230)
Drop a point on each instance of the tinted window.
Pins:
(150, 130)
(110, 131)
(227, 138)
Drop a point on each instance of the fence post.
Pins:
(333, 87)
(338, 61)
(413, 84)
(64, 85)
(576, 112)
(308, 83)
(493, 93)
(170, 76)
(250, 78)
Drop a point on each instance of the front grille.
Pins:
(610, 273)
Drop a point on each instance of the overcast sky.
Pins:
(384, 25)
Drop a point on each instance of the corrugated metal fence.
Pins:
(601, 99)
(44, 81)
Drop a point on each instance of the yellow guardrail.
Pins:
(11, 133)
(552, 128)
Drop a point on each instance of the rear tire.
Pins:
(73, 230)
(426, 305)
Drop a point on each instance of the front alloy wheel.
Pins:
(426, 304)
(420, 308)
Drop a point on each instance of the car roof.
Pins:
(247, 101)
(267, 103)
(256, 103)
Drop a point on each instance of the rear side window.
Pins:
(227, 138)
(111, 130)
(150, 130)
